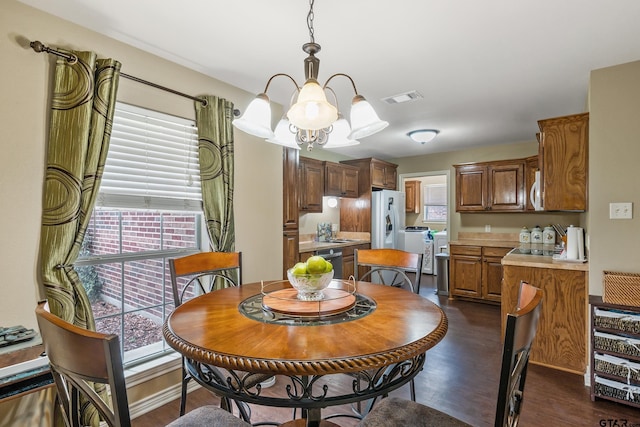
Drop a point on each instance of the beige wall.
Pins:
(614, 134)
(24, 78)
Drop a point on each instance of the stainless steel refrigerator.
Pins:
(387, 218)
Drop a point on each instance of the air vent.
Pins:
(403, 97)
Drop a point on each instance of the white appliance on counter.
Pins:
(414, 239)
(387, 218)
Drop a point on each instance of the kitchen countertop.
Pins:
(541, 261)
(314, 246)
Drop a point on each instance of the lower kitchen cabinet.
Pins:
(348, 262)
(615, 357)
(476, 272)
(561, 340)
(290, 243)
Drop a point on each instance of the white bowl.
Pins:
(310, 286)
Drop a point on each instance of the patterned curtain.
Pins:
(215, 145)
(83, 102)
(82, 106)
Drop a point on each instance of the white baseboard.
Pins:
(159, 399)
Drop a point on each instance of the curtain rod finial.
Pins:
(37, 46)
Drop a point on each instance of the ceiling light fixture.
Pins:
(311, 119)
(423, 135)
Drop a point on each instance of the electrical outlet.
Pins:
(487, 228)
(620, 210)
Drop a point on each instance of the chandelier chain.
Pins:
(310, 17)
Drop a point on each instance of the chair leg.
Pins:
(412, 387)
(183, 393)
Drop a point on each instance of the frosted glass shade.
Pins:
(284, 136)
(364, 120)
(339, 136)
(423, 135)
(256, 120)
(312, 110)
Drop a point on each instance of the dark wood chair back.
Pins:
(394, 261)
(519, 334)
(78, 358)
(202, 272)
(520, 331)
(82, 361)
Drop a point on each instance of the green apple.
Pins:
(316, 265)
(299, 269)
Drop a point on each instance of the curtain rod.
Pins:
(39, 47)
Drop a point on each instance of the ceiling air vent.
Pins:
(403, 97)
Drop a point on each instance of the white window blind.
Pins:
(435, 194)
(152, 162)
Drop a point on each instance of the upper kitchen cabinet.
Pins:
(563, 162)
(311, 185)
(376, 173)
(490, 186)
(412, 196)
(290, 161)
(290, 237)
(340, 180)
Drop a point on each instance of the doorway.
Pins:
(433, 193)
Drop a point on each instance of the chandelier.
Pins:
(311, 119)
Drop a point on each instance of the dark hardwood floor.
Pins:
(461, 378)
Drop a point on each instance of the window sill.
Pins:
(148, 370)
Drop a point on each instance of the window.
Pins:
(435, 202)
(148, 209)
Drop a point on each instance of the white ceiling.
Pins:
(488, 70)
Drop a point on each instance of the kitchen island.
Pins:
(561, 341)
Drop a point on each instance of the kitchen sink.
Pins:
(340, 240)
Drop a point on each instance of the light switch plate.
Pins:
(620, 210)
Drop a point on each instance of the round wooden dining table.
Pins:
(228, 337)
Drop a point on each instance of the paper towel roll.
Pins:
(580, 243)
(572, 242)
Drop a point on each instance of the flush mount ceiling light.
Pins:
(423, 135)
(311, 119)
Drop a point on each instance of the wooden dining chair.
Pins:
(389, 267)
(520, 331)
(200, 273)
(79, 359)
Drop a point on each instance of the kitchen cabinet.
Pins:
(340, 180)
(375, 173)
(290, 159)
(348, 261)
(615, 357)
(383, 175)
(290, 237)
(412, 196)
(311, 185)
(476, 272)
(490, 186)
(290, 245)
(355, 213)
(563, 162)
(561, 339)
